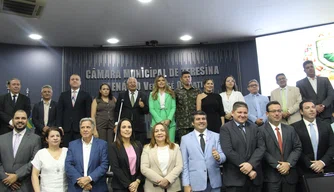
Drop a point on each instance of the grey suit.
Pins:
(20, 165)
(238, 151)
(324, 95)
(292, 149)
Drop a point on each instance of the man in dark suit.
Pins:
(17, 150)
(44, 112)
(318, 143)
(73, 105)
(86, 162)
(10, 103)
(135, 106)
(317, 89)
(283, 151)
(244, 148)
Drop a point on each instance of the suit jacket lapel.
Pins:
(10, 100)
(92, 153)
(80, 153)
(23, 142)
(10, 143)
(309, 87)
(272, 134)
(284, 135)
(197, 143)
(238, 132)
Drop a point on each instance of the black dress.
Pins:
(212, 105)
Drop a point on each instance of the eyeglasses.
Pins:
(281, 79)
(276, 111)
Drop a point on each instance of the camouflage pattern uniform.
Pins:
(185, 106)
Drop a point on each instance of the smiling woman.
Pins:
(125, 159)
(161, 162)
(49, 164)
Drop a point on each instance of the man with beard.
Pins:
(17, 149)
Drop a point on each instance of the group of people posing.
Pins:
(261, 145)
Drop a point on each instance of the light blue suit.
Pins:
(252, 109)
(198, 165)
(97, 165)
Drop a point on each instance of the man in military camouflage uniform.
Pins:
(185, 106)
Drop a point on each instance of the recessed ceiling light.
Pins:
(35, 36)
(144, 1)
(186, 37)
(113, 40)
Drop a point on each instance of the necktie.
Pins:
(257, 104)
(284, 107)
(314, 140)
(74, 95)
(279, 139)
(132, 99)
(202, 142)
(14, 99)
(243, 131)
(16, 143)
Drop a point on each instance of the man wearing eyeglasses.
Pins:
(283, 151)
(256, 103)
(289, 97)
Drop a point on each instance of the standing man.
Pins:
(317, 89)
(202, 155)
(17, 150)
(73, 105)
(244, 148)
(282, 153)
(135, 107)
(86, 162)
(44, 112)
(318, 143)
(10, 103)
(289, 97)
(256, 103)
(185, 105)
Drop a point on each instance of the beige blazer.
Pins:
(293, 100)
(151, 170)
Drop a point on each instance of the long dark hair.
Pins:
(110, 96)
(235, 87)
(119, 140)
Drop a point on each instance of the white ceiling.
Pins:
(87, 23)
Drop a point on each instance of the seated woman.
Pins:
(161, 162)
(50, 163)
(125, 156)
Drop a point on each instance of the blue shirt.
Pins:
(255, 112)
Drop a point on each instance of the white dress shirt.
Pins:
(46, 105)
(205, 132)
(162, 97)
(307, 123)
(86, 148)
(21, 136)
(313, 83)
(280, 130)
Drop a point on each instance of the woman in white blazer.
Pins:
(161, 162)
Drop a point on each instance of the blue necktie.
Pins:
(314, 140)
(258, 109)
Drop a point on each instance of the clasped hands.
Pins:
(11, 181)
(317, 166)
(247, 169)
(84, 183)
(283, 167)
